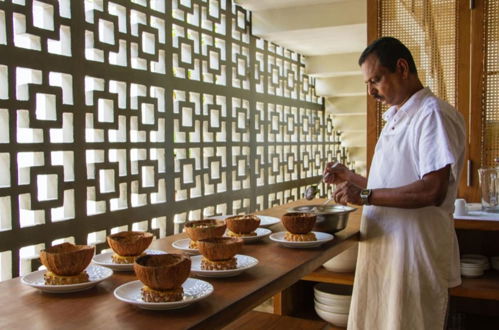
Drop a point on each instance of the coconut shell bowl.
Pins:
(203, 229)
(129, 243)
(162, 271)
(220, 248)
(67, 259)
(242, 224)
(298, 223)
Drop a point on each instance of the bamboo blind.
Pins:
(428, 29)
(490, 93)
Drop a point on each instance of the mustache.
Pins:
(378, 97)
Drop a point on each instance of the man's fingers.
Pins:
(340, 194)
(344, 193)
(337, 196)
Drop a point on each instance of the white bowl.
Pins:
(465, 265)
(340, 307)
(333, 292)
(333, 301)
(475, 256)
(338, 319)
(344, 262)
(473, 265)
(471, 272)
(476, 259)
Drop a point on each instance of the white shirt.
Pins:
(408, 258)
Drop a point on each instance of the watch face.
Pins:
(364, 196)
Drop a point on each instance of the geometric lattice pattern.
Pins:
(141, 115)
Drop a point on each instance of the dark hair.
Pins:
(389, 50)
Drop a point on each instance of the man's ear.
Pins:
(403, 68)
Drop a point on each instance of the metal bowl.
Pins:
(330, 218)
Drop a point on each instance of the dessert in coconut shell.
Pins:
(128, 245)
(203, 229)
(218, 253)
(66, 263)
(299, 226)
(242, 225)
(162, 275)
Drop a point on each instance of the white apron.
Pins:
(408, 258)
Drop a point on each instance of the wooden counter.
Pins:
(24, 307)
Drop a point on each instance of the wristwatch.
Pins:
(364, 196)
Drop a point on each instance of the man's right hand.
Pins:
(336, 174)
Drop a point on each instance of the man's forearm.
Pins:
(429, 191)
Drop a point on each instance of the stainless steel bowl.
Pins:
(330, 218)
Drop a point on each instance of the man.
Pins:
(408, 254)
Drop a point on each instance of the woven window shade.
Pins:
(490, 93)
(428, 29)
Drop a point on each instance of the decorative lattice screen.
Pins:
(490, 94)
(141, 115)
(428, 29)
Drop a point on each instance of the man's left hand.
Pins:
(347, 193)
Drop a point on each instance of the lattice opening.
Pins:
(69, 239)
(5, 265)
(5, 215)
(4, 82)
(27, 255)
(3, 32)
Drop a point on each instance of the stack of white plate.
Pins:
(495, 262)
(344, 262)
(483, 259)
(473, 265)
(332, 303)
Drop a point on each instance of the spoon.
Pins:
(329, 199)
(311, 191)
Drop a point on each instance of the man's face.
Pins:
(383, 85)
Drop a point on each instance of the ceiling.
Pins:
(256, 5)
(311, 27)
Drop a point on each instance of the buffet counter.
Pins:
(279, 267)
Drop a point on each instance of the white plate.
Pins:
(260, 233)
(243, 262)
(96, 274)
(183, 244)
(106, 260)
(194, 290)
(265, 220)
(321, 239)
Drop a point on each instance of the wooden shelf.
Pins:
(484, 287)
(476, 224)
(325, 276)
(259, 320)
